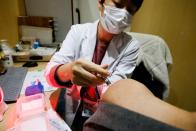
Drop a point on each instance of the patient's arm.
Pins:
(134, 96)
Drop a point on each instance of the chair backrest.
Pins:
(153, 63)
(145, 38)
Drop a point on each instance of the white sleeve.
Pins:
(124, 68)
(66, 52)
(127, 64)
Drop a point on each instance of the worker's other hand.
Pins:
(87, 73)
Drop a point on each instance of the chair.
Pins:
(154, 61)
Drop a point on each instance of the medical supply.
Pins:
(36, 44)
(46, 121)
(37, 122)
(32, 115)
(30, 105)
(35, 88)
(3, 105)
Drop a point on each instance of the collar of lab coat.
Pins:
(89, 46)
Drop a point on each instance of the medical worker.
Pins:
(94, 55)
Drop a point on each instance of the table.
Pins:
(9, 115)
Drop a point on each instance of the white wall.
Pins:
(89, 10)
(59, 9)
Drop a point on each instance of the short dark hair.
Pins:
(137, 3)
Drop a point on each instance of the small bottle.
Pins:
(36, 44)
(8, 60)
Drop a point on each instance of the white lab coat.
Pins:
(80, 42)
(121, 56)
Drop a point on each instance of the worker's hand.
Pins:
(87, 73)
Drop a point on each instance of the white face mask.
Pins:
(115, 20)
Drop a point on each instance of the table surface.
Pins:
(9, 115)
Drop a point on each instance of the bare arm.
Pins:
(134, 96)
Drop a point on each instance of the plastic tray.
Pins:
(30, 105)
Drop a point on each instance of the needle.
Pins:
(107, 81)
